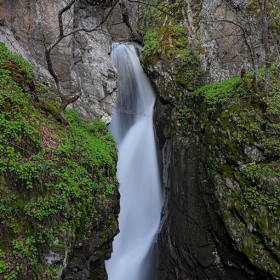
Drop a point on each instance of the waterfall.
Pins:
(133, 255)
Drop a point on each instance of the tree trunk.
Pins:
(265, 44)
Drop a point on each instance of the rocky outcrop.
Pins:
(81, 60)
(193, 241)
(122, 23)
(214, 32)
(117, 27)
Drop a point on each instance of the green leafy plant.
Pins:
(151, 41)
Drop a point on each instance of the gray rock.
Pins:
(82, 60)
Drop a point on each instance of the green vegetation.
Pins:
(55, 180)
(8, 57)
(151, 42)
(220, 92)
(167, 40)
(152, 11)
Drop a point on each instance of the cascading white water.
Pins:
(138, 171)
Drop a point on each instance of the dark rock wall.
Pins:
(193, 241)
(87, 259)
(122, 23)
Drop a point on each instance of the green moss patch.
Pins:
(165, 39)
(56, 182)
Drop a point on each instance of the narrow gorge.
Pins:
(204, 139)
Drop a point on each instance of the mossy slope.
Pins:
(167, 48)
(58, 188)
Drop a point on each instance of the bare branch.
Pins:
(60, 20)
(62, 35)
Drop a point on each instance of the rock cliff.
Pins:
(213, 140)
(82, 60)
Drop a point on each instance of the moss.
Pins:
(38, 272)
(2, 182)
(60, 246)
(19, 76)
(226, 215)
(235, 148)
(239, 206)
(246, 81)
(103, 240)
(151, 42)
(166, 40)
(151, 60)
(15, 62)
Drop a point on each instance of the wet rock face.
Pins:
(193, 242)
(219, 181)
(122, 23)
(82, 60)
